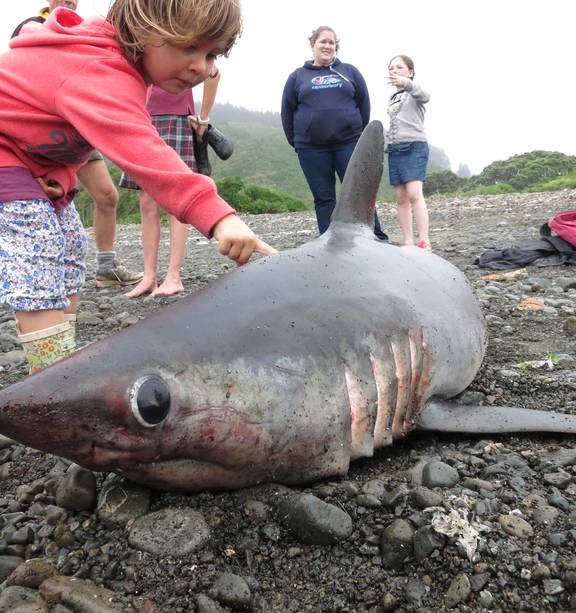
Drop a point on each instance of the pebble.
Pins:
(397, 543)
(231, 590)
(80, 595)
(175, 532)
(423, 498)
(545, 515)
(459, 591)
(426, 540)
(31, 573)
(121, 501)
(314, 521)
(439, 474)
(515, 526)
(77, 490)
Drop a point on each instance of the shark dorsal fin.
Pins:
(357, 199)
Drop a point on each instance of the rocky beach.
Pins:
(435, 523)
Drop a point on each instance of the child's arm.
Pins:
(415, 90)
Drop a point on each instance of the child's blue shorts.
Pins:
(407, 162)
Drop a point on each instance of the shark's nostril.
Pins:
(150, 400)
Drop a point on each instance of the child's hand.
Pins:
(394, 79)
(54, 191)
(237, 241)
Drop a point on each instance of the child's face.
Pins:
(177, 68)
(69, 4)
(398, 67)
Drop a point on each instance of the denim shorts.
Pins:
(407, 162)
(42, 255)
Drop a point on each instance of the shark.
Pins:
(283, 370)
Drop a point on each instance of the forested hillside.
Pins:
(264, 157)
(269, 178)
(534, 171)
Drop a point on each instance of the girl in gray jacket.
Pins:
(408, 149)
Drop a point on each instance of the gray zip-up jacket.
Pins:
(406, 113)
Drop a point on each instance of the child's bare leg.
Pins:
(404, 213)
(419, 209)
(150, 229)
(172, 283)
(32, 321)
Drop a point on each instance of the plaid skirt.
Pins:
(177, 132)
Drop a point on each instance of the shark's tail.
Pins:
(360, 186)
(451, 417)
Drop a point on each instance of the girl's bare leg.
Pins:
(419, 209)
(404, 213)
(150, 229)
(172, 283)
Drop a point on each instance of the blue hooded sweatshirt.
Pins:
(324, 106)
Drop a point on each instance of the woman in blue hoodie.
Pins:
(325, 107)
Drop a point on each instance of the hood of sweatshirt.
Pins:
(66, 27)
(310, 65)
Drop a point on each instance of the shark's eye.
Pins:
(150, 400)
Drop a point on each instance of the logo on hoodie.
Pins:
(326, 82)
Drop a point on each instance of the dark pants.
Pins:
(320, 167)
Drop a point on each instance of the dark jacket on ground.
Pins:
(324, 107)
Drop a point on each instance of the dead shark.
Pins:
(284, 370)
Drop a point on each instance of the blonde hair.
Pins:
(137, 22)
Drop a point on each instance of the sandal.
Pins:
(425, 244)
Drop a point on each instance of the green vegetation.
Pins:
(262, 176)
(534, 171)
(244, 197)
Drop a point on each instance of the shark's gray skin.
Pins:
(283, 370)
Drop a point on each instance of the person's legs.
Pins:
(32, 268)
(318, 168)
(341, 159)
(96, 179)
(404, 213)
(172, 283)
(420, 211)
(150, 229)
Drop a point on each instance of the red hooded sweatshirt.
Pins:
(66, 88)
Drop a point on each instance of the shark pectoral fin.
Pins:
(451, 417)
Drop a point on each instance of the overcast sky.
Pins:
(500, 72)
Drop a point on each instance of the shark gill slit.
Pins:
(400, 374)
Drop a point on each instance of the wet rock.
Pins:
(121, 501)
(231, 590)
(545, 515)
(314, 521)
(8, 564)
(439, 474)
(459, 591)
(423, 498)
(426, 540)
(569, 326)
(397, 543)
(77, 490)
(80, 595)
(175, 532)
(207, 605)
(515, 526)
(31, 573)
(15, 596)
(560, 479)
(415, 591)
